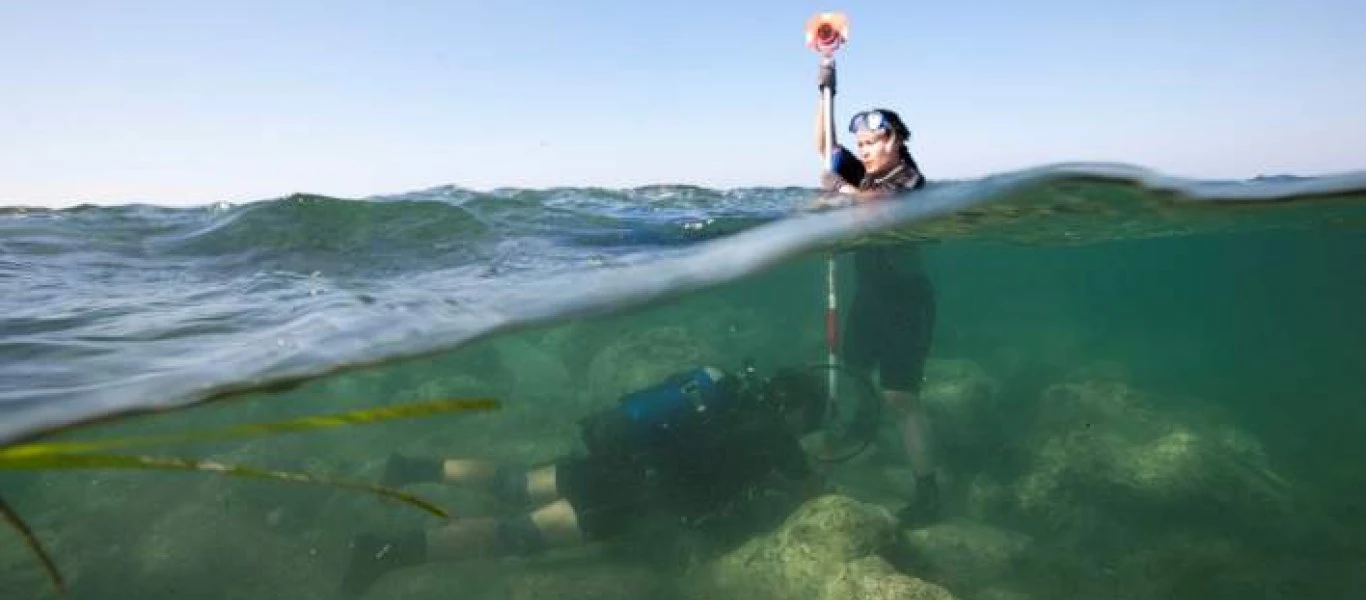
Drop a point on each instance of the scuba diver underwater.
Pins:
(694, 447)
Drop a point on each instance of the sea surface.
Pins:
(1145, 351)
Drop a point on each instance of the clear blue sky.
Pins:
(190, 102)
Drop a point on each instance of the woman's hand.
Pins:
(831, 182)
(831, 201)
(825, 77)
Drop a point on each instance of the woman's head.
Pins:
(881, 138)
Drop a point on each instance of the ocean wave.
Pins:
(110, 311)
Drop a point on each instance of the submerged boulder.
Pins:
(871, 578)
(1103, 445)
(964, 554)
(1110, 488)
(827, 549)
(962, 402)
(1123, 492)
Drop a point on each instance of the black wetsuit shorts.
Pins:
(891, 321)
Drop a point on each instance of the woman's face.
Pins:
(877, 149)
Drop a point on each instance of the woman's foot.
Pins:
(925, 509)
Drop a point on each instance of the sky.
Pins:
(187, 102)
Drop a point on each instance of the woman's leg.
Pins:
(905, 353)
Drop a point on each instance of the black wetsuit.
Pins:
(694, 468)
(891, 318)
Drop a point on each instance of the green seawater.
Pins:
(1173, 417)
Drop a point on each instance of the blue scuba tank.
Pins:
(658, 415)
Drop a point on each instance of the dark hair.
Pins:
(898, 126)
(790, 390)
(901, 131)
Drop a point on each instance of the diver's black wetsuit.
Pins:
(690, 463)
(891, 318)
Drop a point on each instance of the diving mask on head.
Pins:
(878, 120)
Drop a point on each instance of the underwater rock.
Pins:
(985, 498)
(827, 549)
(1102, 444)
(963, 554)
(640, 359)
(871, 578)
(1119, 491)
(961, 401)
(1108, 470)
